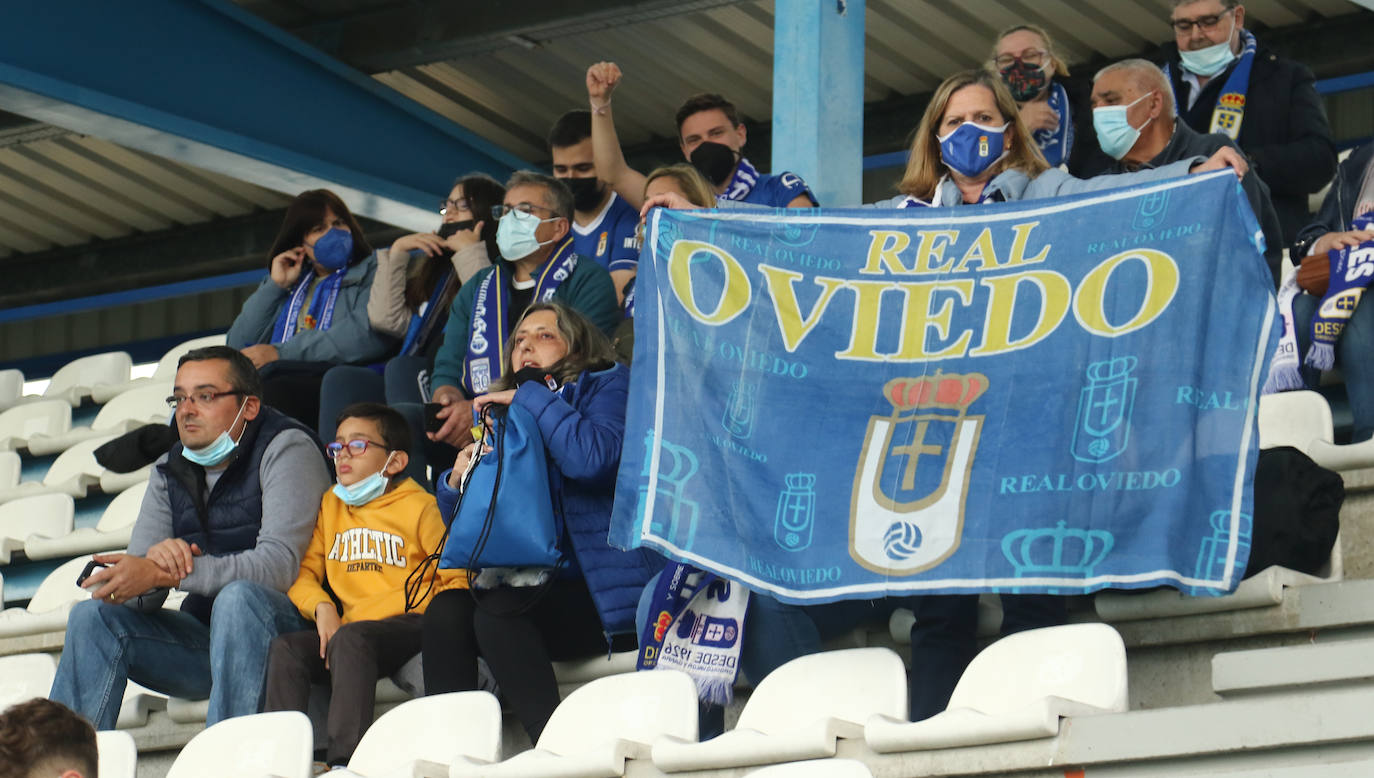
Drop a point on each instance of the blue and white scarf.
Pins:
(1057, 144)
(696, 625)
(321, 313)
(1230, 108)
(1284, 375)
(1352, 271)
(911, 201)
(430, 315)
(742, 183)
(491, 315)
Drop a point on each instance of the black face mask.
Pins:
(447, 229)
(541, 374)
(1024, 80)
(716, 161)
(586, 192)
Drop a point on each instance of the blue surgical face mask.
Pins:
(972, 148)
(220, 448)
(1115, 134)
(334, 249)
(366, 490)
(1212, 60)
(515, 234)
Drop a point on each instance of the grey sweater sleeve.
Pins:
(153, 525)
(294, 477)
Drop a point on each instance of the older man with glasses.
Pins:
(538, 264)
(1225, 82)
(226, 519)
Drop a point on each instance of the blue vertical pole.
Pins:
(818, 94)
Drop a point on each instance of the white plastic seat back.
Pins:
(1084, 663)
(77, 464)
(167, 366)
(849, 685)
(1296, 419)
(11, 387)
(122, 511)
(48, 417)
(74, 381)
(276, 744)
(117, 753)
(25, 676)
(638, 707)
(10, 467)
(814, 768)
(432, 729)
(42, 515)
(59, 588)
(134, 408)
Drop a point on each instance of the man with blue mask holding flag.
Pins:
(1136, 125)
(538, 264)
(226, 519)
(1225, 82)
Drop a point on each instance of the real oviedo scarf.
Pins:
(321, 313)
(491, 315)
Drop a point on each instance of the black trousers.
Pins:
(519, 647)
(359, 653)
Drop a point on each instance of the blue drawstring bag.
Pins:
(504, 516)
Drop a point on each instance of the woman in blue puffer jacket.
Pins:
(589, 609)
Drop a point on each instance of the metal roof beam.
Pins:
(208, 84)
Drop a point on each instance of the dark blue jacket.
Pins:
(583, 426)
(1338, 207)
(228, 517)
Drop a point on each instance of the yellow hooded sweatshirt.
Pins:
(366, 552)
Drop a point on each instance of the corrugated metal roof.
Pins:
(63, 189)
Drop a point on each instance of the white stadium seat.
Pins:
(815, 768)
(10, 467)
(11, 387)
(25, 676)
(113, 530)
(75, 472)
(137, 704)
(163, 375)
(1018, 689)
(74, 381)
(265, 744)
(117, 754)
(427, 733)
(43, 515)
(44, 419)
(798, 712)
(125, 412)
(47, 610)
(600, 725)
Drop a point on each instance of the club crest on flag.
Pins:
(907, 504)
(1151, 210)
(1103, 427)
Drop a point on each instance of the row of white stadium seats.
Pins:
(98, 377)
(1017, 689)
(42, 526)
(45, 427)
(74, 472)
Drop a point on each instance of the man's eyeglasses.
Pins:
(1034, 57)
(198, 399)
(356, 447)
(497, 211)
(1206, 23)
(459, 204)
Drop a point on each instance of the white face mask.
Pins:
(1212, 60)
(1115, 134)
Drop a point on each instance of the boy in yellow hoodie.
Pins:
(374, 528)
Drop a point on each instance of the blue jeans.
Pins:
(173, 653)
(1354, 354)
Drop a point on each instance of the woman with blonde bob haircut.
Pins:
(972, 147)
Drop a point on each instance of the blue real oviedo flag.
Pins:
(1044, 396)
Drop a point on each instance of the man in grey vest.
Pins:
(226, 518)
